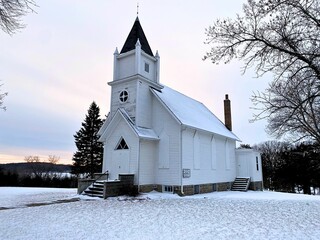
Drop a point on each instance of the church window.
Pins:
(227, 155)
(257, 163)
(146, 67)
(196, 151)
(167, 188)
(213, 153)
(164, 146)
(124, 95)
(196, 189)
(122, 145)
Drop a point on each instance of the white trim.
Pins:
(148, 56)
(168, 187)
(164, 155)
(135, 78)
(196, 151)
(213, 153)
(123, 55)
(227, 155)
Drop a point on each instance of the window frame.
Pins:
(167, 188)
(123, 96)
(146, 67)
(122, 145)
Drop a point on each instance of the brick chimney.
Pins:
(227, 113)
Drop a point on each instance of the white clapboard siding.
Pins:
(206, 173)
(165, 125)
(120, 129)
(126, 66)
(130, 104)
(147, 162)
(249, 162)
(144, 105)
(146, 59)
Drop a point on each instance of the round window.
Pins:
(123, 96)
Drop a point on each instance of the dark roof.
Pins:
(135, 34)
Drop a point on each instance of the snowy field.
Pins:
(42, 213)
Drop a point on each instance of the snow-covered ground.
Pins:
(222, 215)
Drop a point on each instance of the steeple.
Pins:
(136, 70)
(135, 34)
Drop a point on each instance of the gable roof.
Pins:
(144, 133)
(135, 34)
(192, 113)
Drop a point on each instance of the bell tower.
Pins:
(135, 71)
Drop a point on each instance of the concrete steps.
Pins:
(241, 184)
(95, 190)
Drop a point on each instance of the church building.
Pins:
(168, 141)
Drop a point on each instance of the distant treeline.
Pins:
(27, 168)
(37, 175)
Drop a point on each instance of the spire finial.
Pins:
(137, 8)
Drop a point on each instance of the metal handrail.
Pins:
(248, 183)
(105, 173)
(95, 180)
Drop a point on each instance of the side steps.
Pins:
(95, 190)
(241, 184)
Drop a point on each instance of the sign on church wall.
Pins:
(186, 173)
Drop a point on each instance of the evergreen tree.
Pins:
(290, 167)
(88, 158)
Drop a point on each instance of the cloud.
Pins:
(62, 61)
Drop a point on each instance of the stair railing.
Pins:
(95, 180)
(105, 173)
(248, 183)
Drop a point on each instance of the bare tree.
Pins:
(36, 166)
(271, 152)
(2, 95)
(42, 168)
(281, 37)
(292, 107)
(11, 12)
(32, 159)
(53, 159)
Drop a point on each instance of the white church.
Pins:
(166, 140)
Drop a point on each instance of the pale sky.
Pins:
(61, 62)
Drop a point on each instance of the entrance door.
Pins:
(243, 166)
(120, 163)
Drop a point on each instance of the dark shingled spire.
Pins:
(135, 34)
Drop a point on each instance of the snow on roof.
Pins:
(146, 133)
(141, 132)
(192, 113)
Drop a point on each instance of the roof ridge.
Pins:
(187, 97)
(192, 113)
